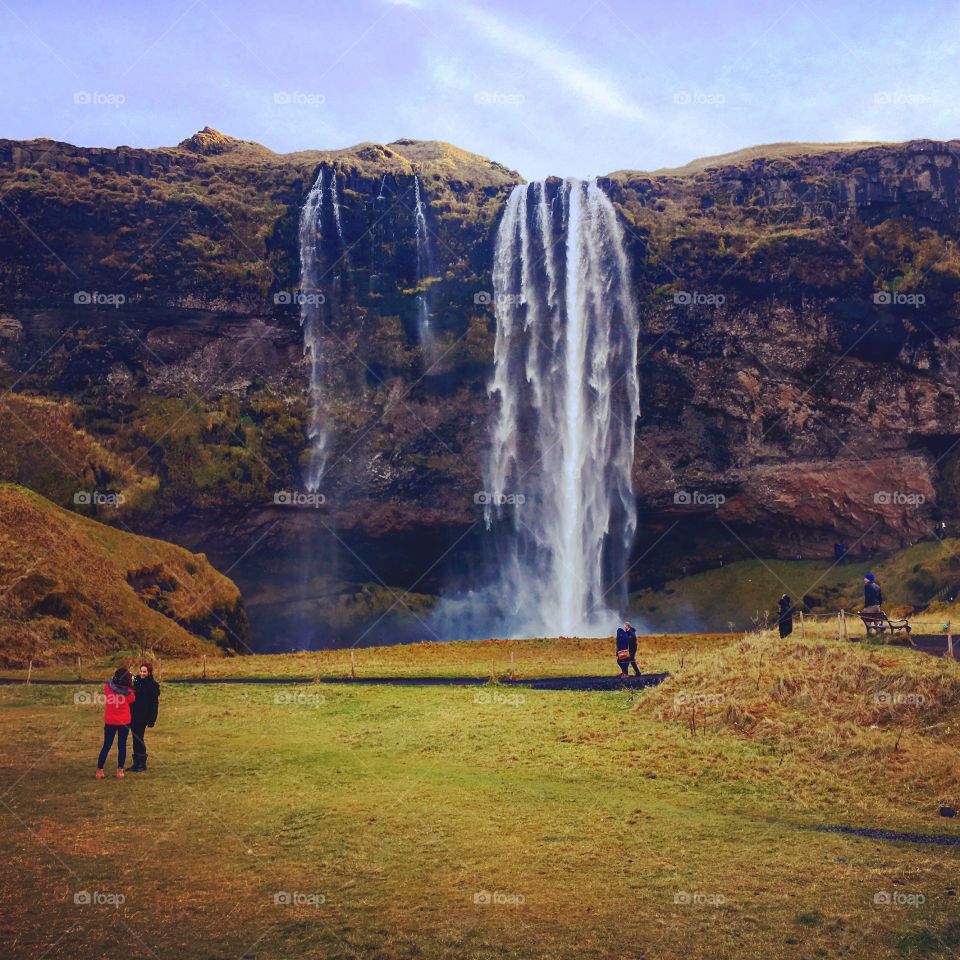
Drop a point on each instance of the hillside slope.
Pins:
(70, 585)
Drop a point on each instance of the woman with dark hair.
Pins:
(116, 719)
(143, 714)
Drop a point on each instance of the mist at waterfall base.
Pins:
(558, 501)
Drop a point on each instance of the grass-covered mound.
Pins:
(886, 716)
(70, 585)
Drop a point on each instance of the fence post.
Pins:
(803, 632)
(839, 628)
(29, 671)
(353, 665)
(204, 666)
(511, 665)
(843, 618)
(950, 641)
(79, 668)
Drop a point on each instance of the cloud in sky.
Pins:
(571, 73)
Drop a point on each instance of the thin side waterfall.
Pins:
(335, 202)
(424, 268)
(558, 481)
(311, 301)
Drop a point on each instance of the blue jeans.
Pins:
(111, 730)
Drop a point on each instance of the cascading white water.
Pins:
(311, 299)
(335, 203)
(424, 264)
(567, 392)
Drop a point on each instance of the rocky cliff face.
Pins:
(798, 356)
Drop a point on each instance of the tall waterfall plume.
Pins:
(424, 270)
(311, 301)
(558, 481)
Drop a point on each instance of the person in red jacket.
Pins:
(116, 719)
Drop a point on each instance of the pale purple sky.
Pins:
(572, 89)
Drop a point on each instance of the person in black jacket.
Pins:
(872, 597)
(785, 620)
(143, 713)
(627, 643)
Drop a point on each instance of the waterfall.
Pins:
(311, 300)
(335, 203)
(558, 481)
(424, 266)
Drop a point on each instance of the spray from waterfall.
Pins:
(559, 495)
(311, 302)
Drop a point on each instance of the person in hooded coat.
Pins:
(872, 597)
(627, 649)
(143, 713)
(118, 694)
(785, 619)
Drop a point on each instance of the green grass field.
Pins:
(496, 821)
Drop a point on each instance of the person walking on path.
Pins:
(627, 649)
(872, 597)
(116, 719)
(785, 620)
(143, 713)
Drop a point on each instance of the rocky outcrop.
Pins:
(798, 357)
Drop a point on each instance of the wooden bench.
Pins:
(877, 623)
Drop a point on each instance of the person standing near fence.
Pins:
(785, 619)
(872, 597)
